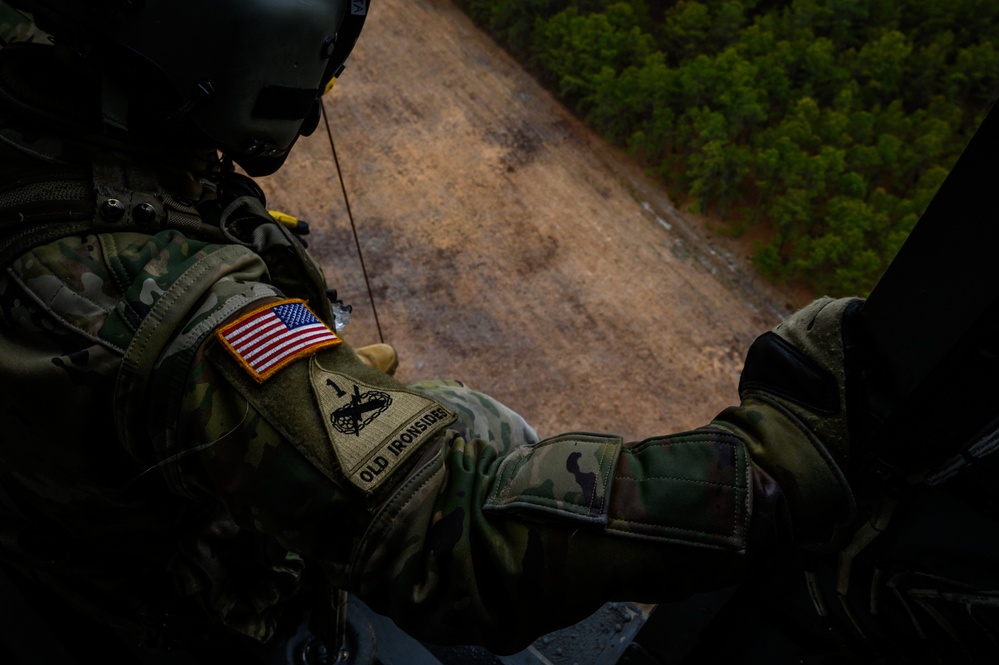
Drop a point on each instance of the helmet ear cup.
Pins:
(312, 120)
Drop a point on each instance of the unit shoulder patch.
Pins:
(270, 337)
(373, 429)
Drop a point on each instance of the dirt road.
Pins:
(506, 246)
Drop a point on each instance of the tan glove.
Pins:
(380, 356)
(796, 385)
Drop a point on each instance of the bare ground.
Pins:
(509, 247)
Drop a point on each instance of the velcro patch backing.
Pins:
(373, 429)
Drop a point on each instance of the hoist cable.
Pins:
(353, 227)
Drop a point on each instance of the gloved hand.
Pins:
(797, 390)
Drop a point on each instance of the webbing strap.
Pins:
(41, 204)
(36, 209)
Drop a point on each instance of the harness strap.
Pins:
(41, 206)
(44, 203)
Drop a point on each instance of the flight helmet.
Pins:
(249, 74)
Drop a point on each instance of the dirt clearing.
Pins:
(508, 247)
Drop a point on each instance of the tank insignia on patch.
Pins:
(373, 429)
(270, 337)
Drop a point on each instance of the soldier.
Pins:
(155, 322)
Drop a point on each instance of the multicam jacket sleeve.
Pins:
(485, 535)
(434, 503)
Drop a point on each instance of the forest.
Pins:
(824, 127)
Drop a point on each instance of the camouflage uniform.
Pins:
(155, 476)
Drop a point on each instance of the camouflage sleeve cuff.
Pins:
(569, 474)
(691, 488)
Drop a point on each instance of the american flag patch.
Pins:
(268, 338)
